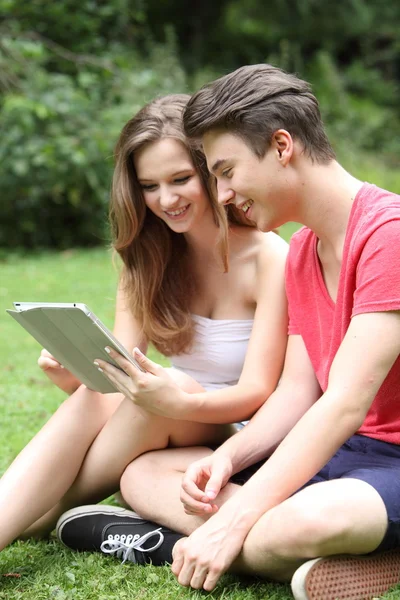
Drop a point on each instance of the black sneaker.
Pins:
(116, 531)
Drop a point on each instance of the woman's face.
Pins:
(171, 186)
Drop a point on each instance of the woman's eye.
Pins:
(227, 172)
(148, 188)
(182, 180)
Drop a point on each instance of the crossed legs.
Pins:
(343, 516)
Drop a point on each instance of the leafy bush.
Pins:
(72, 72)
(57, 135)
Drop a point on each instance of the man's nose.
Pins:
(225, 194)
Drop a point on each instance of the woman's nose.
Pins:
(168, 197)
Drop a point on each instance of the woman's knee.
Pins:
(85, 403)
(184, 381)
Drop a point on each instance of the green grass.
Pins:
(45, 570)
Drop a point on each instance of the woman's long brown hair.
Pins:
(157, 277)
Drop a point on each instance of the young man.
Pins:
(331, 430)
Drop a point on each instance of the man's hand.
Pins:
(202, 483)
(201, 559)
(153, 390)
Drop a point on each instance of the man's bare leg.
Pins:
(151, 484)
(345, 516)
(342, 516)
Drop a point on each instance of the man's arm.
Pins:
(298, 389)
(367, 353)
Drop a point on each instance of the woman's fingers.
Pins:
(147, 365)
(122, 362)
(47, 361)
(145, 362)
(118, 378)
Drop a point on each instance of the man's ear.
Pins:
(283, 144)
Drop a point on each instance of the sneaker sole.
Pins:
(82, 511)
(347, 577)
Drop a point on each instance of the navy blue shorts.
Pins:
(367, 459)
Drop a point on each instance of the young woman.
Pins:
(223, 329)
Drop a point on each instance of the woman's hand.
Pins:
(202, 483)
(153, 390)
(61, 377)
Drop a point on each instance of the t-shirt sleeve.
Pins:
(293, 328)
(378, 271)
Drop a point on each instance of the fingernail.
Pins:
(96, 363)
(138, 352)
(100, 369)
(107, 349)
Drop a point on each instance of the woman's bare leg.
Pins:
(130, 432)
(48, 465)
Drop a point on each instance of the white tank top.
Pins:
(218, 352)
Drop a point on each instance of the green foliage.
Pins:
(81, 26)
(357, 105)
(348, 49)
(57, 136)
(72, 72)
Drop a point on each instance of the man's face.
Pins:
(259, 187)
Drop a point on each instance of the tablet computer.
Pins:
(73, 334)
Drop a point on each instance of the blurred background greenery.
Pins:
(72, 73)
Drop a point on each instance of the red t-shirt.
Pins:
(369, 282)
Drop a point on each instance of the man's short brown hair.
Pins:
(255, 101)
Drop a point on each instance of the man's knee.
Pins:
(292, 531)
(137, 474)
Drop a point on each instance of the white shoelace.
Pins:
(123, 546)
